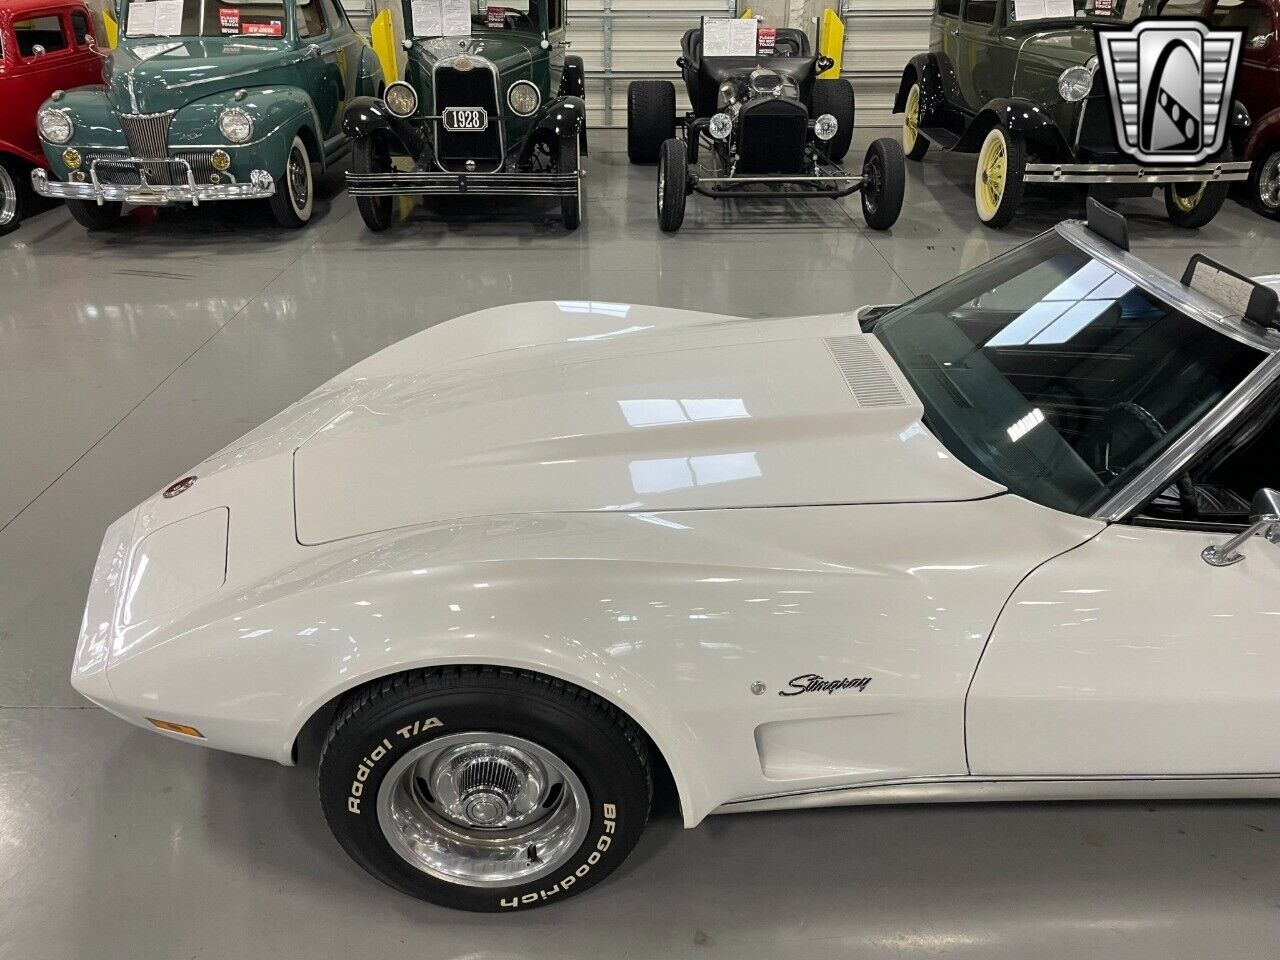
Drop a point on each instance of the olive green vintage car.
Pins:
(1028, 97)
(208, 101)
(493, 108)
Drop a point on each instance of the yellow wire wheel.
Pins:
(1186, 202)
(914, 144)
(997, 183)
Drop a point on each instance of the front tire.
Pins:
(1264, 183)
(372, 154)
(914, 143)
(673, 185)
(998, 183)
(1192, 205)
(836, 98)
(484, 788)
(94, 216)
(885, 170)
(14, 193)
(651, 118)
(292, 202)
(567, 160)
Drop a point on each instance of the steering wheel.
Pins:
(1114, 423)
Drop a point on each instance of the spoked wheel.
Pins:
(372, 154)
(1264, 184)
(484, 789)
(998, 183)
(13, 195)
(567, 160)
(673, 185)
(914, 143)
(292, 202)
(1192, 205)
(884, 185)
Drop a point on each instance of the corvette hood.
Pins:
(728, 413)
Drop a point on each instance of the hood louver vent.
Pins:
(868, 378)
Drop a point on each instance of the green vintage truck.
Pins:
(208, 101)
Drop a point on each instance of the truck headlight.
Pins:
(1074, 83)
(524, 98)
(55, 126)
(235, 124)
(721, 126)
(825, 127)
(401, 99)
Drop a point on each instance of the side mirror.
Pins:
(313, 51)
(825, 64)
(37, 50)
(1264, 520)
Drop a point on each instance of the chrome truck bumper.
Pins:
(423, 184)
(1134, 173)
(259, 186)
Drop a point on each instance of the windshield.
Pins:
(210, 18)
(1053, 375)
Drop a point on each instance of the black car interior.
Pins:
(703, 75)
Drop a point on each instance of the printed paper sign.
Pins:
(272, 28)
(766, 41)
(1104, 6)
(725, 37)
(1042, 9)
(156, 18)
(496, 17)
(441, 18)
(229, 19)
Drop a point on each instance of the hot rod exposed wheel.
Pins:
(94, 216)
(567, 160)
(1264, 183)
(836, 98)
(885, 183)
(914, 144)
(651, 118)
(483, 788)
(13, 193)
(673, 185)
(997, 183)
(291, 203)
(372, 154)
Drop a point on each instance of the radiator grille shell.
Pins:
(771, 136)
(476, 87)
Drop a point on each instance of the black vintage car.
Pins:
(761, 126)
(499, 112)
(1029, 98)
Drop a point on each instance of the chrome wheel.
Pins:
(8, 198)
(483, 809)
(1269, 183)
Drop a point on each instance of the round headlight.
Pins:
(721, 126)
(401, 99)
(523, 98)
(825, 127)
(235, 124)
(728, 93)
(55, 126)
(1075, 83)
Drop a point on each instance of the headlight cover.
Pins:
(401, 99)
(55, 126)
(235, 124)
(721, 126)
(1074, 83)
(524, 98)
(825, 127)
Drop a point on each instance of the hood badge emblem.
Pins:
(179, 486)
(463, 64)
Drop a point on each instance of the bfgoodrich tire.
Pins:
(836, 98)
(651, 118)
(483, 788)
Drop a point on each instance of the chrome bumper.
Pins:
(259, 186)
(1134, 173)
(423, 184)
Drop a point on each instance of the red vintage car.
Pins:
(45, 45)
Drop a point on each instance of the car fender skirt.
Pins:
(1018, 116)
(366, 115)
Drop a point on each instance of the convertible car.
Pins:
(1014, 539)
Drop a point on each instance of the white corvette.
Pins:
(1009, 540)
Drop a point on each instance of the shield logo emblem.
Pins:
(1171, 83)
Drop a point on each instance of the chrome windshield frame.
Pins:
(1164, 469)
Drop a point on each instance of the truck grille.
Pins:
(476, 87)
(118, 170)
(148, 137)
(771, 136)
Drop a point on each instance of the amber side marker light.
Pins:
(181, 728)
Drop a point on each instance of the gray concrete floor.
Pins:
(129, 356)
